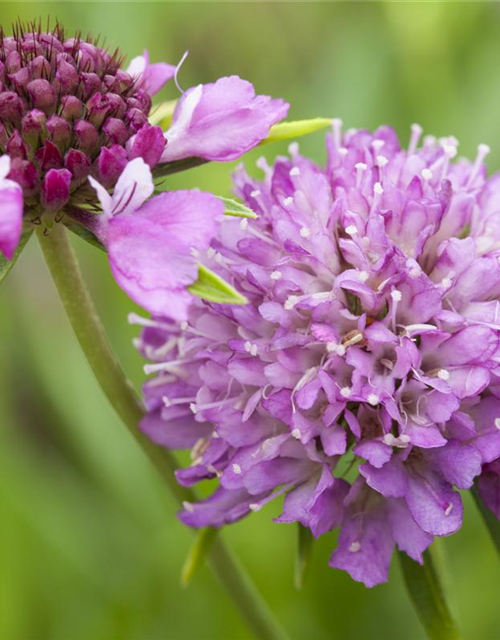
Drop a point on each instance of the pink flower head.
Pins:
(371, 342)
(221, 121)
(151, 242)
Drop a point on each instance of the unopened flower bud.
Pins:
(42, 95)
(115, 131)
(48, 157)
(110, 164)
(26, 175)
(16, 147)
(60, 131)
(55, 189)
(72, 108)
(11, 108)
(86, 136)
(78, 164)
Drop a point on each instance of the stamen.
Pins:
(448, 509)
(337, 132)
(351, 230)
(305, 232)
(333, 347)
(373, 399)
(293, 149)
(296, 434)
(346, 392)
(287, 202)
(255, 506)
(426, 174)
(276, 275)
(295, 172)
(188, 506)
(443, 374)
(381, 161)
(363, 276)
(396, 295)
(482, 151)
(236, 469)
(355, 547)
(497, 423)
(416, 132)
(243, 224)
(291, 301)
(255, 193)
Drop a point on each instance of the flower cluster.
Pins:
(362, 382)
(74, 126)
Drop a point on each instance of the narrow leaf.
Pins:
(427, 596)
(197, 554)
(6, 265)
(162, 114)
(489, 518)
(305, 541)
(296, 129)
(212, 287)
(238, 209)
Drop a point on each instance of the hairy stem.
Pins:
(63, 265)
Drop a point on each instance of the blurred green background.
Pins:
(90, 548)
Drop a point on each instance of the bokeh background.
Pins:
(90, 548)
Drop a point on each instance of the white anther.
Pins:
(405, 438)
(296, 434)
(373, 399)
(255, 194)
(295, 171)
(305, 232)
(449, 509)
(426, 174)
(450, 150)
(382, 161)
(236, 469)
(184, 325)
(446, 283)
(396, 295)
(343, 151)
(243, 224)
(378, 144)
(389, 439)
(378, 189)
(355, 547)
(287, 202)
(290, 302)
(363, 276)
(210, 252)
(337, 132)
(293, 149)
(276, 275)
(193, 407)
(497, 423)
(443, 374)
(361, 166)
(346, 392)
(188, 506)
(351, 230)
(166, 401)
(255, 506)
(388, 364)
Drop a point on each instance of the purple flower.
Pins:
(370, 349)
(150, 242)
(151, 77)
(221, 121)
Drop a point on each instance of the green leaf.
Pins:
(197, 554)
(490, 520)
(85, 234)
(238, 209)
(296, 129)
(6, 265)
(305, 541)
(212, 287)
(162, 114)
(426, 593)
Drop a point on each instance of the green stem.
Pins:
(490, 520)
(63, 265)
(426, 594)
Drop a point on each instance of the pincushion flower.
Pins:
(361, 382)
(77, 148)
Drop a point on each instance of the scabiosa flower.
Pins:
(362, 380)
(78, 148)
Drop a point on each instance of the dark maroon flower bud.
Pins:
(55, 189)
(13, 62)
(89, 84)
(60, 131)
(26, 175)
(11, 108)
(144, 100)
(48, 157)
(4, 136)
(115, 131)
(42, 95)
(67, 75)
(135, 119)
(148, 144)
(16, 147)
(33, 127)
(116, 103)
(78, 163)
(97, 109)
(72, 108)
(20, 79)
(110, 164)
(40, 67)
(86, 136)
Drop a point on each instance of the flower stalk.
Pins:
(64, 268)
